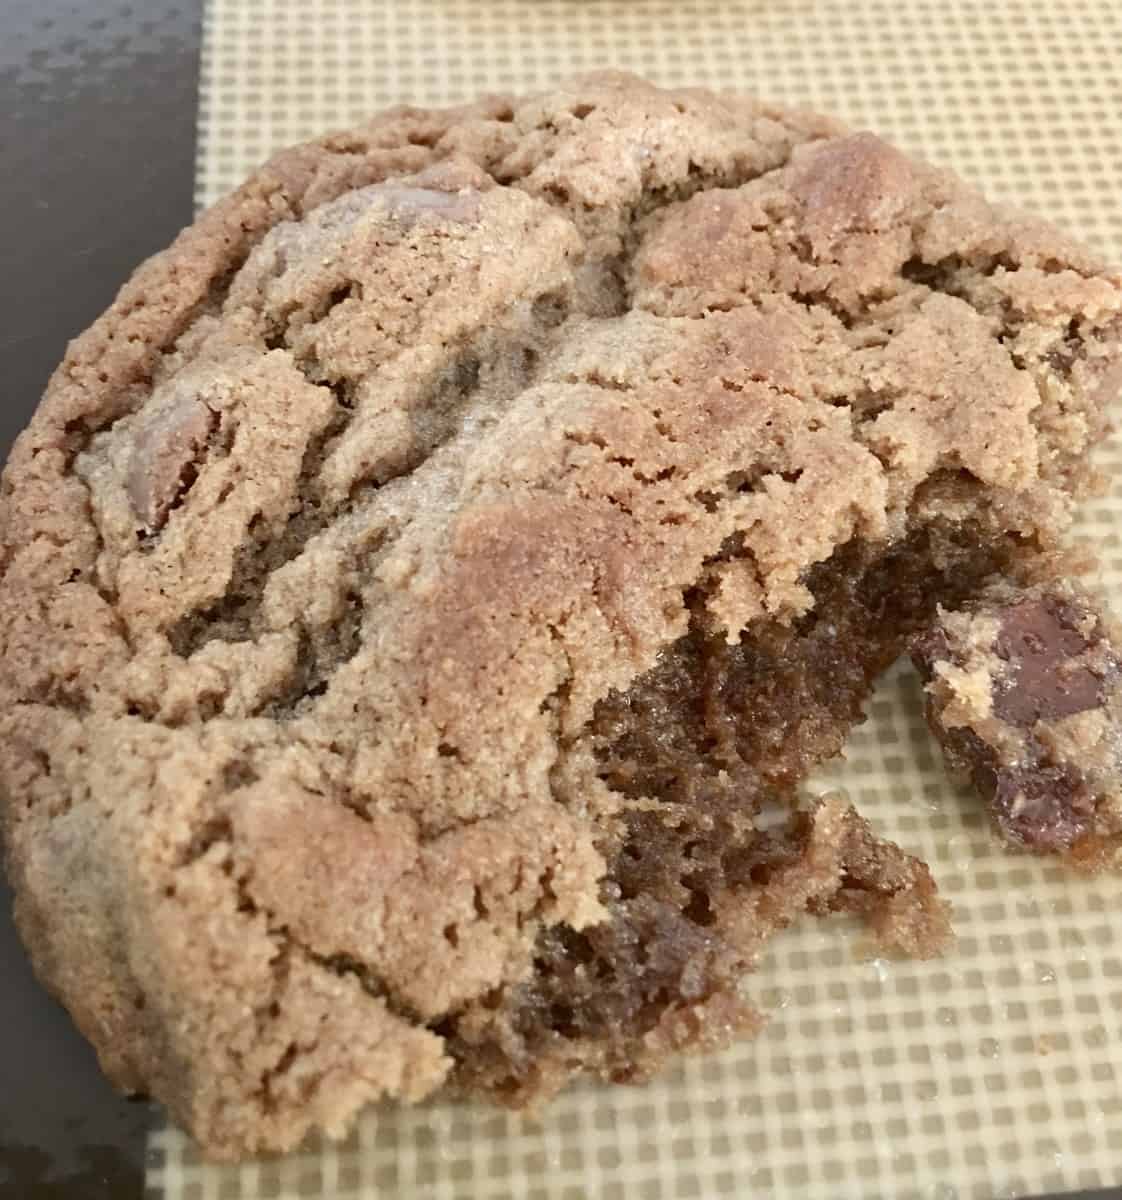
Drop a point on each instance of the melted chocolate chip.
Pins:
(1044, 808)
(1038, 641)
(166, 459)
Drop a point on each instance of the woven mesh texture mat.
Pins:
(995, 1072)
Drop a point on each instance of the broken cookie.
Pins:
(1024, 692)
(419, 582)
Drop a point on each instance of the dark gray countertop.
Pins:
(97, 138)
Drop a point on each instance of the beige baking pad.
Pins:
(996, 1072)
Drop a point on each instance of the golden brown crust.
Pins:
(329, 537)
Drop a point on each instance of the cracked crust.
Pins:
(406, 581)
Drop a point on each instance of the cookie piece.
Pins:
(418, 582)
(1024, 692)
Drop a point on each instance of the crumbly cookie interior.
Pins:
(702, 745)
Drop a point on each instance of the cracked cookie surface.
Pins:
(420, 580)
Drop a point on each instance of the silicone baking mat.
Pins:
(995, 1072)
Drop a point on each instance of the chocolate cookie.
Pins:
(1024, 691)
(418, 582)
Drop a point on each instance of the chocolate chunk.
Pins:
(1044, 809)
(164, 460)
(1043, 681)
(409, 204)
